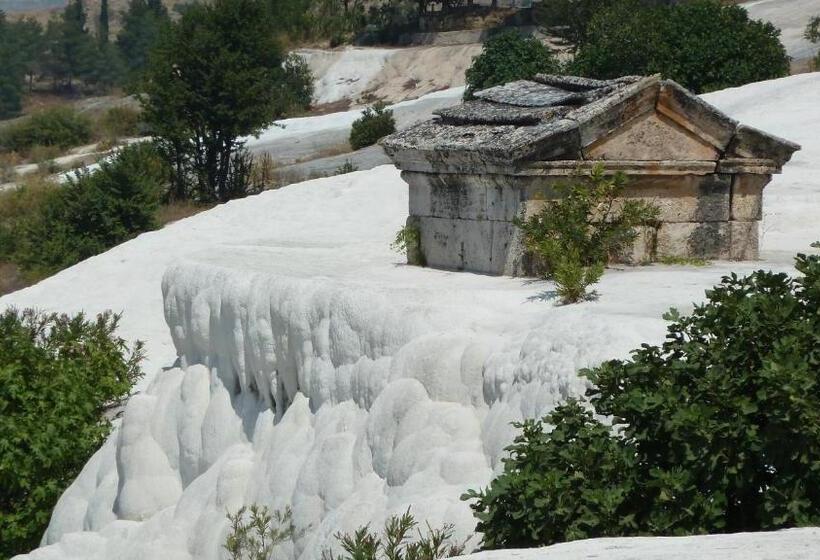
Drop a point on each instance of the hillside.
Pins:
(314, 370)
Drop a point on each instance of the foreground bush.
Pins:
(375, 123)
(92, 212)
(58, 376)
(575, 235)
(703, 45)
(60, 126)
(505, 58)
(401, 539)
(717, 430)
(254, 532)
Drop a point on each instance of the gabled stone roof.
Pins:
(557, 117)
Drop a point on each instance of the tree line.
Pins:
(71, 53)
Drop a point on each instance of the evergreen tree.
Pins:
(70, 50)
(141, 25)
(102, 29)
(11, 87)
(201, 106)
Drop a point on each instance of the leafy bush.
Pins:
(507, 57)
(375, 123)
(408, 242)
(296, 89)
(120, 122)
(17, 207)
(58, 126)
(701, 44)
(716, 430)
(396, 542)
(92, 212)
(578, 233)
(58, 377)
(255, 531)
(568, 18)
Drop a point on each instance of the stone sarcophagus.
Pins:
(479, 165)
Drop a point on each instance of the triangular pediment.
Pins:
(652, 136)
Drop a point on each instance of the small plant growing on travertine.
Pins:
(255, 531)
(577, 234)
(346, 167)
(375, 123)
(408, 241)
(396, 543)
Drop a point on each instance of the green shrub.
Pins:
(718, 429)
(508, 57)
(576, 235)
(17, 207)
(60, 126)
(255, 531)
(702, 45)
(120, 122)
(375, 123)
(397, 543)
(347, 167)
(58, 377)
(408, 242)
(568, 18)
(93, 212)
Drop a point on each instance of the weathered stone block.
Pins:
(642, 250)
(750, 142)
(745, 241)
(471, 245)
(704, 240)
(747, 196)
(473, 197)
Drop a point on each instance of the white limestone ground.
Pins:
(317, 371)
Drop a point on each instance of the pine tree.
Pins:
(141, 25)
(70, 48)
(102, 30)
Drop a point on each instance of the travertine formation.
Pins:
(480, 164)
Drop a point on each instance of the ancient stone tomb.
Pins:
(480, 164)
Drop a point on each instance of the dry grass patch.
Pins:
(175, 211)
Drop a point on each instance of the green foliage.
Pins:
(567, 484)
(58, 377)
(199, 107)
(296, 87)
(254, 532)
(702, 44)
(120, 122)
(69, 48)
(346, 167)
(92, 212)
(812, 34)
(576, 234)
(58, 126)
(507, 57)
(375, 123)
(142, 24)
(396, 542)
(21, 44)
(718, 429)
(569, 18)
